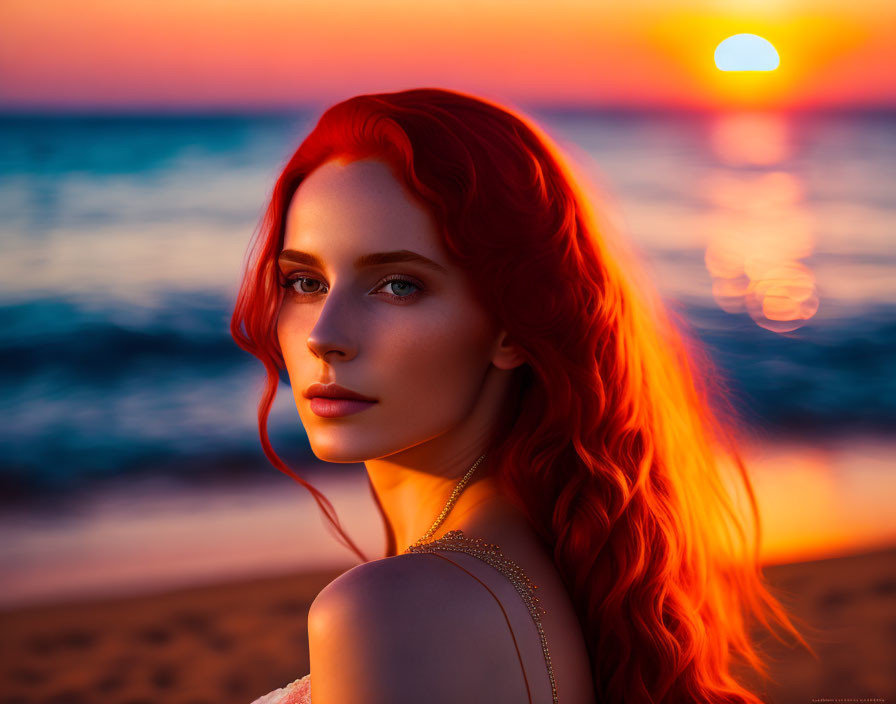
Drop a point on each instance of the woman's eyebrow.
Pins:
(372, 259)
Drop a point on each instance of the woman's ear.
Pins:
(507, 354)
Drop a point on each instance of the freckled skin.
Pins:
(438, 366)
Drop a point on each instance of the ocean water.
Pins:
(123, 237)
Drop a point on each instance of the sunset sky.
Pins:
(225, 54)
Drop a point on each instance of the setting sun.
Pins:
(746, 52)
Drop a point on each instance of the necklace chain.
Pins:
(492, 555)
(451, 501)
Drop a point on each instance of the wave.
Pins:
(94, 392)
(53, 335)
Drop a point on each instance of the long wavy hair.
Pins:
(618, 445)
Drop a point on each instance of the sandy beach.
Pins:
(230, 642)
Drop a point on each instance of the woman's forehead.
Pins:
(358, 207)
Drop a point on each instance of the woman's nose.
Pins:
(332, 334)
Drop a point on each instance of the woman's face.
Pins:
(376, 307)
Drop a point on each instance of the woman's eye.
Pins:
(299, 284)
(402, 288)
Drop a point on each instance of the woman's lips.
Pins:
(337, 407)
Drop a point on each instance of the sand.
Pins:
(231, 642)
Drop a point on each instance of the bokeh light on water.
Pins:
(761, 229)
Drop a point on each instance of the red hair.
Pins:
(612, 446)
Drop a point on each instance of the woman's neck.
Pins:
(412, 500)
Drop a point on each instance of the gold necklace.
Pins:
(451, 501)
(493, 555)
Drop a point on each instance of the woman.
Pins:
(536, 434)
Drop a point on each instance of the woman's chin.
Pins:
(334, 449)
(340, 457)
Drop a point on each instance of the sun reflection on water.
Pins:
(760, 228)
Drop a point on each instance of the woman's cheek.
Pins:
(442, 365)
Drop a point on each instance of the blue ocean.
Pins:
(123, 239)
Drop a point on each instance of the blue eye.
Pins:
(401, 287)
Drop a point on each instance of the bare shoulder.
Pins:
(411, 628)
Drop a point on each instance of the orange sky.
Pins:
(280, 53)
